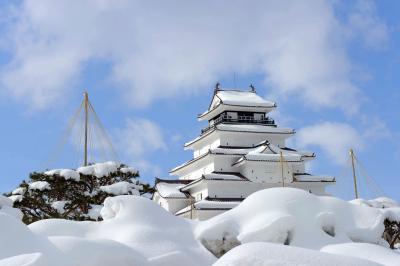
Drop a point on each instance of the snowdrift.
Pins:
(294, 217)
(272, 254)
(280, 226)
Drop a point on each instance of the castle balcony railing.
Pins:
(240, 120)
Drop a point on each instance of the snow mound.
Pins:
(136, 231)
(6, 208)
(261, 254)
(294, 217)
(381, 203)
(17, 239)
(367, 251)
(24, 260)
(133, 222)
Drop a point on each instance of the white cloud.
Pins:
(160, 49)
(375, 128)
(334, 139)
(365, 22)
(137, 139)
(140, 137)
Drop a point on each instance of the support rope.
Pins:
(54, 155)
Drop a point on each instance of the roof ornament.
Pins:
(217, 88)
(252, 88)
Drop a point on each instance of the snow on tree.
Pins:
(75, 194)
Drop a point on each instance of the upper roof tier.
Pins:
(236, 100)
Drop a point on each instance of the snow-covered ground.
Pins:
(280, 226)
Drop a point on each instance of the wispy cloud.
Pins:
(159, 49)
(334, 139)
(138, 139)
(365, 22)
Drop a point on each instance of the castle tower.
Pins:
(240, 151)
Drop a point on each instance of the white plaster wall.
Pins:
(231, 189)
(160, 201)
(205, 148)
(170, 204)
(199, 188)
(198, 145)
(267, 172)
(223, 163)
(201, 215)
(246, 139)
(175, 205)
(198, 170)
(318, 188)
(298, 167)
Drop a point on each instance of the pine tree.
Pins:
(75, 194)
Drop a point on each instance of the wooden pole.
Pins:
(191, 207)
(86, 105)
(354, 172)
(281, 160)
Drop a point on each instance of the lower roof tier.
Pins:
(246, 131)
(263, 152)
(212, 204)
(179, 189)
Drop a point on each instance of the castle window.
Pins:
(199, 196)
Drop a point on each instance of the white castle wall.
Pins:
(171, 204)
(204, 149)
(199, 170)
(236, 139)
(266, 172)
(246, 139)
(231, 189)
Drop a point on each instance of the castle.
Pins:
(241, 151)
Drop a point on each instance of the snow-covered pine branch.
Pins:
(75, 194)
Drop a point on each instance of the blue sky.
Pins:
(150, 68)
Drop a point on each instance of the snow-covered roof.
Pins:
(224, 176)
(245, 98)
(257, 129)
(254, 128)
(214, 204)
(216, 176)
(240, 100)
(268, 158)
(264, 151)
(170, 190)
(313, 178)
